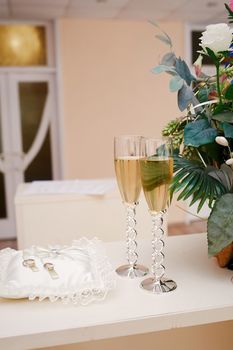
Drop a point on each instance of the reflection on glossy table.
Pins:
(204, 295)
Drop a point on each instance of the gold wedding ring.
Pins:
(50, 268)
(31, 264)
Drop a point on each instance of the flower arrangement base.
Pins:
(225, 256)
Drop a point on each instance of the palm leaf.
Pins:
(192, 179)
(155, 172)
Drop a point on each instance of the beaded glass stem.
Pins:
(132, 269)
(131, 235)
(157, 267)
(158, 284)
(126, 157)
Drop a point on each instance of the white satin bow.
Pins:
(54, 252)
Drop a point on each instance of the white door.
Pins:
(28, 138)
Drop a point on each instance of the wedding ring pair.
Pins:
(30, 263)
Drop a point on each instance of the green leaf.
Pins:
(212, 55)
(224, 53)
(192, 179)
(230, 13)
(185, 97)
(184, 71)
(176, 83)
(229, 93)
(220, 224)
(224, 117)
(228, 130)
(199, 133)
(212, 151)
(222, 108)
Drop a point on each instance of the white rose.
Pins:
(217, 37)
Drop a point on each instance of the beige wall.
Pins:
(108, 89)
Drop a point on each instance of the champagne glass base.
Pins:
(159, 287)
(134, 271)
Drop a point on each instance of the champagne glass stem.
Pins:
(131, 235)
(158, 284)
(132, 269)
(157, 268)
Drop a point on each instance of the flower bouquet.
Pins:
(203, 135)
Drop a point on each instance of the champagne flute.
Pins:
(127, 168)
(156, 166)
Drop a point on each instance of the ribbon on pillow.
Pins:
(56, 251)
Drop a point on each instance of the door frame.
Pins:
(7, 225)
(12, 140)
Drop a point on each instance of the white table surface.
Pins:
(204, 295)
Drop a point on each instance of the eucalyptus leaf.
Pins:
(164, 38)
(176, 83)
(224, 175)
(196, 102)
(203, 94)
(162, 68)
(199, 133)
(229, 174)
(168, 59)
(183, 70)
(220, 224)
(164, 34)
(185, 97)
(228, 130)
(224, 117)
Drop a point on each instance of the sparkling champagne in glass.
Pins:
(127, 168)
(156, 166)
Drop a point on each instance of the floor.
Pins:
(174, 229)
(12, 243)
